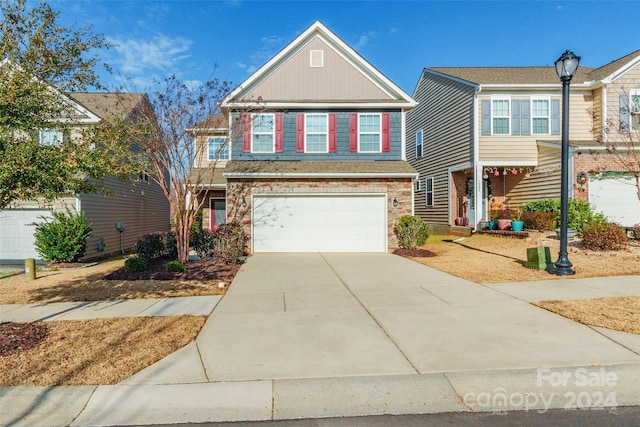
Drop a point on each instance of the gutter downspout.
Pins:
(605, 138)
(477, 169)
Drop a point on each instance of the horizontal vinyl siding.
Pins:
(343, 140)
(597, 114)
(445, 115)
(140, 214)
(622, 85)
(543, 183)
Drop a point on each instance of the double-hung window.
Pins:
(500, 113)
(316, 134)
(634, 109)
(50, 137)
(263, 133)
(218, 149)
(428, 191)
(540, 116)
(419, 144)
(369, 133)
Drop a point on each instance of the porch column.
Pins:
(479, 185)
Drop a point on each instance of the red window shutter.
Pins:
(300, 133)
(353, 133)
(246, 133)
(279, 134)
(332, 134)
(386, 127)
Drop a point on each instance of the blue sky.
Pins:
(188, 38)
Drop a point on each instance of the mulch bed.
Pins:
(17, 337)
(414, 253)
(200, 270)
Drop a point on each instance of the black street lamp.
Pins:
(566, 67)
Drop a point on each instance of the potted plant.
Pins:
(493, 223)
(517, 224)
(504, 219)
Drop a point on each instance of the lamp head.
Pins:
(567, 65)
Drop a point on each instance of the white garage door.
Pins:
(16, 233)
(616, 198)
(346, 223)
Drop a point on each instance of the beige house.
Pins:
(489, 137)
(132, 209)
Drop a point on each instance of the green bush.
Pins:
(412, 231)
(603, 237)
(541, 221)
(155, 245)
(579, 212)
(203, 242)
(196, 227)
(64, 238)
(230, 243)
(135, 265)
(175, 266)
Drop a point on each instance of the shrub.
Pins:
(412, 231)
(635, 231)
(64, 238)
(230, 243)
(543, 205)
(175, 266)
(603, 237)
(541, 221)
(155, 245)
(203, 242)
(196, 227)
(135, 265)
(579, 212)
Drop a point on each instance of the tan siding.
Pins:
(544, 182)
(58, 204)
(295, 80)
(597, 114)
(445, 114)
(139, 213)
(622, 85)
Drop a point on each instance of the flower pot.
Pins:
(504, 224)
(482, 225)
(493, 224)
(517, 225)
(571, 233)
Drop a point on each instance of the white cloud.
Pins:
(270, 46)
(364, 39)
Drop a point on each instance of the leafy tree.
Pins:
(40, 62)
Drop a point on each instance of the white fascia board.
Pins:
(316, 105)
(319, 175)
(620, 71)
(344, 50)
(499, 163)
(459, 167)
(546, 86)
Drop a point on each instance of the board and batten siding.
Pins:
(141, 207)
(445, 115)
(543, 183)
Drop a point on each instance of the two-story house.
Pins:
(130, 208)
(318, 163)
(484, 138)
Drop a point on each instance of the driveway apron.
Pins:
(332, 315)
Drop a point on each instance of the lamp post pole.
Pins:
(566, 66)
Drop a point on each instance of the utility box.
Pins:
(539, 258)
(30, 268)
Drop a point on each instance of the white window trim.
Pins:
(416, 185)
(421, 132)
(633, 92)
(59, 133)
(370, 133)
(541, 98)
(225, 147)
(326, 133)
(273, 132)
(508, 117)
(212, 214)
(427, 192)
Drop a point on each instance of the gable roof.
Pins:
(615, 68)
(103, 104)
(357, 83)
(510, 75)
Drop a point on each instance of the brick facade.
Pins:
(239, 190)
(586, 163)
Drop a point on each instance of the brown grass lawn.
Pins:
(101, 351)
(490, 259)
(88, 284)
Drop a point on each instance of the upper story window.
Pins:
(634, 109)
(50, 137)
(218, 149)
(369, 133)
(316, 133)
(540, 116)
(419, 143)
(500, 114)
(263, 133)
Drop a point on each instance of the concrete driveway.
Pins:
(340, 315)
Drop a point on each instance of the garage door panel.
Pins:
(616, 198)
(17, 227)
(299, 223)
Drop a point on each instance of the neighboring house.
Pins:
(485, 138)
(136, 207)
(318, 162)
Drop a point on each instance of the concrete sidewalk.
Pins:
(322, 335)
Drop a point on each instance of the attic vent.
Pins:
(317, 58)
